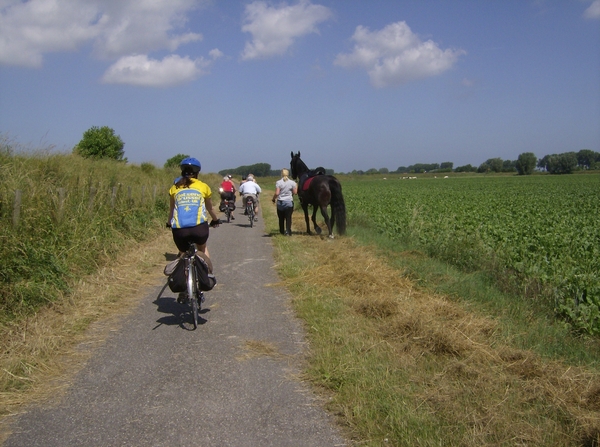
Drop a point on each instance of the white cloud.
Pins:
(593, 11)
(28, 30)
(215, 54)
(142, 71)
(274, 29)
(395, 55)
(140, 26)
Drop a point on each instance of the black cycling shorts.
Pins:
(183, 236)
(227, 195)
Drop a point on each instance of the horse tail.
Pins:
(338, 207)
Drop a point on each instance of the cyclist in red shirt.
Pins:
(227, 189)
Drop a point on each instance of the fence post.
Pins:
(113, 197)
(92, 196)
(129, 196)
(143, 194)
(17, 208)
(154, 194)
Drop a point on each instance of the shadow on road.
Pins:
(176, 314)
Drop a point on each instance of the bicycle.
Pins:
(227, 206)
(250, 210)
(193, 296)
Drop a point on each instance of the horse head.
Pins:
(297, 166)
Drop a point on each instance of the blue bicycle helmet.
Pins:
(190, 166)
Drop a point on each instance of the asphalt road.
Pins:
(154, 382)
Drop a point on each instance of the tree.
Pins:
(466, 168)
(174, 162)
(100, 142)
(586, 158)
(495, 164)
(559, 164)
(483, 168)
(509, 165)
(446, 166)
(257, 169)
(526, 163)
(563, 163)
(544, 163)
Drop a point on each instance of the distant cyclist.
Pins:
(251, 189)
(191, 200)
(227, 189)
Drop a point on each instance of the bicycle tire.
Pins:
(191, 290)
(228, 213)
(250, 212)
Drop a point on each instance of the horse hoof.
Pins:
(331, 236)
(318, 230)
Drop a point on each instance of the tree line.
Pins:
(102, 142)
(525, 164)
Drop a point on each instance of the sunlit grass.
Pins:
(414, 352)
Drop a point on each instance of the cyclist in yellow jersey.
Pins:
(191, 201)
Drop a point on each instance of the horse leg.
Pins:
(305, 208)
(328, 221)
(314, 219)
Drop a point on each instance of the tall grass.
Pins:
(63, 235)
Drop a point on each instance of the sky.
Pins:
(351, 84)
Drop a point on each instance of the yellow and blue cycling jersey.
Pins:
(190, 209)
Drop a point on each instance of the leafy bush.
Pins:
(100, 142)
(174, 162)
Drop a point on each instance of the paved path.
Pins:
(154, 383)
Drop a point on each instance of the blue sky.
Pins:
(352, 84)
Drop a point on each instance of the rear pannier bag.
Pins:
(175, 270)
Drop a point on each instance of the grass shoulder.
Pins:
(412, 352)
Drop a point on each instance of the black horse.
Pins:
(319, 190)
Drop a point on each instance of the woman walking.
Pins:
(285, 188)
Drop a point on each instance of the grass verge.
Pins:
(413, 353)
(41, 352)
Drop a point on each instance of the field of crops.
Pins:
(539, 235)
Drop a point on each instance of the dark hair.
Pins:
(184, 181)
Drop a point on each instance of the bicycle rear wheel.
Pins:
(250, 211)
(192, 292)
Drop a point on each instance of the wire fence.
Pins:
(59, 201)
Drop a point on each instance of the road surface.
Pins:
(232, 382)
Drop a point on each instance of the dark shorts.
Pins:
(227, 195)
(183, 236)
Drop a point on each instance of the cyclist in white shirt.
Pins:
(251, 189)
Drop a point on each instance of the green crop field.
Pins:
(538, 235)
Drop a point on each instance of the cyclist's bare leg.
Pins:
(204, 249)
